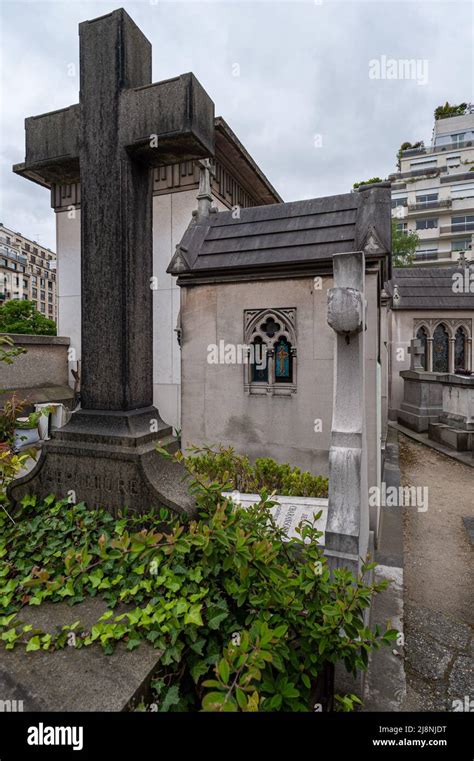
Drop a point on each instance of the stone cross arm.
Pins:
(161, 123)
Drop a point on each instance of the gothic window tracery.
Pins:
(270, 335)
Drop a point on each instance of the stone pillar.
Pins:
(347, 531)
(469, 353)
(452, 341)
(429, 347)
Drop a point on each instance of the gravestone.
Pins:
(290, 512)
(122, 127)
(416, 350)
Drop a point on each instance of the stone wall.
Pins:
(45, 363)
(215, 407)
(401, 329)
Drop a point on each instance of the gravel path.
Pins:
(439, 582)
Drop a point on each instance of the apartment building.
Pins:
(433, 192)
(27, 271)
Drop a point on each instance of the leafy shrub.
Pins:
(236, 472)
(444, 112)
(244, 620)
(366, 182)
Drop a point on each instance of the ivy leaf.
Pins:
(171, 698)
(193, 616)
(216, 620)
(33, 644)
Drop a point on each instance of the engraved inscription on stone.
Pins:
(290, 511)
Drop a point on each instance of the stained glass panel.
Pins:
(459, 349)
(259, 364)
(283, 361)
(440, 350)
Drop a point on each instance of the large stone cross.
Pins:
(122, 127)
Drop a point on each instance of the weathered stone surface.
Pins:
(108, 458)
(461, 679)
(444, 629)
(426, 657)
(74, 679)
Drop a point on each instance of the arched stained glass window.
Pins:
(440, 350)
(460, 349)
(258, 362)
(283, 361)
(270, 335)
(422, 335)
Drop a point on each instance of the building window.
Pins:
(426, 254)
(270, 338)
(463, 191)
(34, 293)
(427, 199)
(462, 224)
(402, 227)
(50, 285)
(424, 164)
(461, 245)
(440, 350)
(43, 308)
(402, 201)
(426, 224)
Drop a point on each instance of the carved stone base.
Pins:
(108, 459)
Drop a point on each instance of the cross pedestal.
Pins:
(122, 127)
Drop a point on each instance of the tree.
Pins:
(20, 316)
(404, 246)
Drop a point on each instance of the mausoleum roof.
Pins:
(430, 288)
(286, 239)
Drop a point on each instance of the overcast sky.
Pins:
(303, 103)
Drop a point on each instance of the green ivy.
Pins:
(243, 620)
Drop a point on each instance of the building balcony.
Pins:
(413, 173)
(6, 250)
(423, 150)
(429, 205)
(468, 227)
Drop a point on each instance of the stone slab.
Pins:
(73, 679)
(290, 511)
(461, 441)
